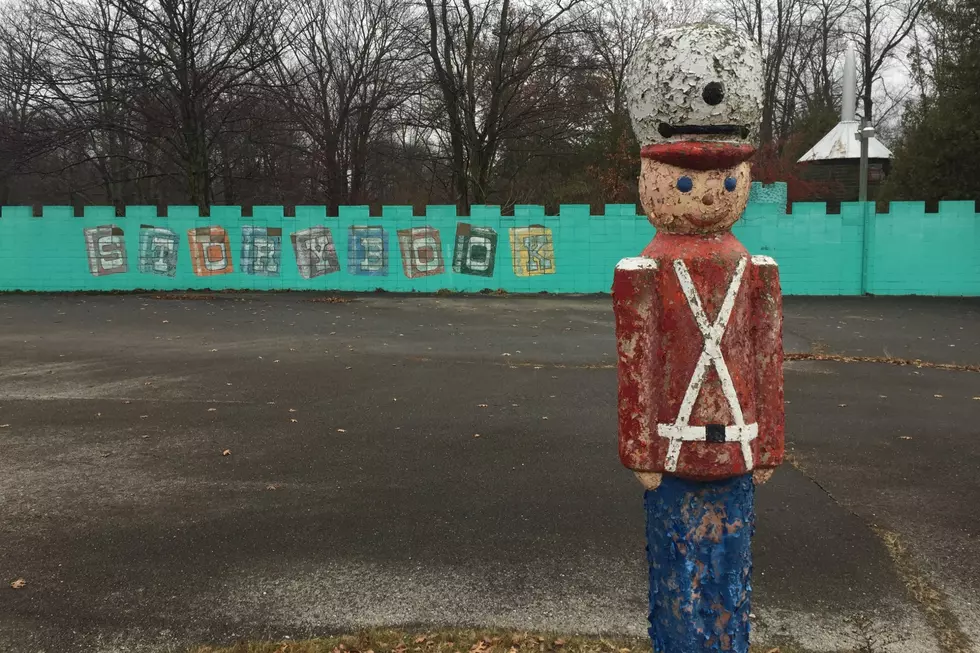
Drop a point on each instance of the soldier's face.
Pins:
(683, 201)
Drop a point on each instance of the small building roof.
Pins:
(841, 143)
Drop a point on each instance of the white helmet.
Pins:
(700, 82)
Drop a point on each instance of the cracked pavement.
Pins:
(356, 492)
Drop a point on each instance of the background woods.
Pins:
(440, 101)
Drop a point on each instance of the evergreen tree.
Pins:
(938, 155)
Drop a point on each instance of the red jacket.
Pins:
(699, 336)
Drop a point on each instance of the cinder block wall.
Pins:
(904, 251)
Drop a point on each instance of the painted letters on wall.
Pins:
(315, 252)
(210, 251)
(533, 249)
(421, 249)
(261, 250)
(106, 248)
(158, 251)
(475, 251)
(367, 251)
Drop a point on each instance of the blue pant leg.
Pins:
(699, 547)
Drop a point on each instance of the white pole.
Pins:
(864, 136)
(848, 85)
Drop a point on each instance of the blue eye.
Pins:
(730, 184)
(684, 184)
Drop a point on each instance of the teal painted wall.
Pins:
(909, 251)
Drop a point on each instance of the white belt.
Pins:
(743, 433)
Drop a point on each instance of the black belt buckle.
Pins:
(714, 432)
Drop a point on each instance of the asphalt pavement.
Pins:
(180, 471)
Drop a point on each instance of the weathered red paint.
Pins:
(699, 155)
(660, 344)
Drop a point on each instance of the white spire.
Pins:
(848, 85)
(840, 142)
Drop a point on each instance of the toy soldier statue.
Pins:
(699, 335)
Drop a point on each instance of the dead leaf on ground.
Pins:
(226, 452)
(559, 642)
(18, 584)
(773, 650)
(419, 640)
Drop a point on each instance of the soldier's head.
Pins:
(695, 98)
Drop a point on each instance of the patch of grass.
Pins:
(452, 641)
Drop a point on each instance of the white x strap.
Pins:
(681, 430)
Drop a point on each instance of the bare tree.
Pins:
(25, 98)
(500, 69)
(197, 60)
(342, 76)
(615, 29)
(369, 101)
(880, 30)
(93, 91)
(828, 25)
(777, 26)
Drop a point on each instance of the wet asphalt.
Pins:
(245, 466)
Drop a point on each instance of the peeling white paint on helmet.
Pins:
(696, 82)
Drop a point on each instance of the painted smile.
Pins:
(700, 220)
(667, 130)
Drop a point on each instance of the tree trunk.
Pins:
(868, 74)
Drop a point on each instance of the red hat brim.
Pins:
(699, 155)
